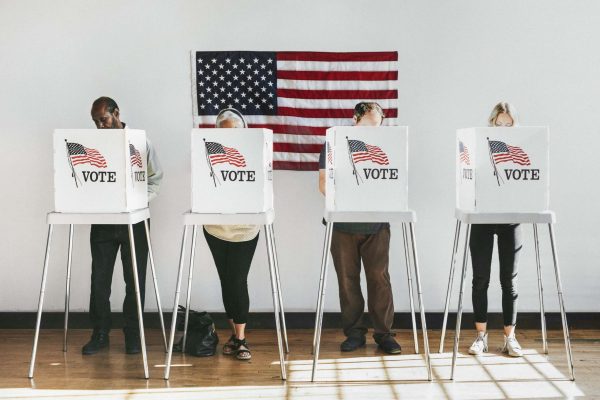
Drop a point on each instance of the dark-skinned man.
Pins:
(107, 240)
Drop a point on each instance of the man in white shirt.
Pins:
(105, 242)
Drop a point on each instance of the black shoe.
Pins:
(387, 343)
(352, 343)
(98, 342)
(132, 343)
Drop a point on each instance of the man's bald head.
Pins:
(105, 113)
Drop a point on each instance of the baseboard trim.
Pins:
(303, 320)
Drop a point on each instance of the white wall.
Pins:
(457, 59)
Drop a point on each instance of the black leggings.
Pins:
(510, 243)
(233, 261)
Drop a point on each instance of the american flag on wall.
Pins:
(298, 95)
(135, 156)
(503, 152)
(361, 151)
(80, 154)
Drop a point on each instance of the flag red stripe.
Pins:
(296, 165)
(297, 147)
(288, 129)
(337, 94)
(326, 56)
(326, 113)
(293, 129)
(338, 75)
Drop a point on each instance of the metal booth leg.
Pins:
(463, 277)
(410, 289)
(322, 285)
(279, 294)
(561, 302)
(175, 304)
(138, 301)
(321, 280)
(270, 256)
(158, 305)
(413, 241)
(323, 257)
(450, 283)
(189, 289)
(540, 289)
(40, 303)
(68, 287)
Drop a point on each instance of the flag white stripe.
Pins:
(279, 120)
(333, 103)
(302, 139)
(337, 65)
(336, 85)
(297, 157)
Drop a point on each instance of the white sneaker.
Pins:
(480, 345)
(512, 347)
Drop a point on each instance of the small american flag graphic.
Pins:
(218, 154)
(329, 154)
(361, 151)
(503, 152)
(134, 156)
(80, 154)
(463, 153)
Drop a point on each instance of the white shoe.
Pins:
(480, 345)
(512, 347)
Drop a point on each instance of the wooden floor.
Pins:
(366, 373)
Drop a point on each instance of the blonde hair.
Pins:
(503, 107)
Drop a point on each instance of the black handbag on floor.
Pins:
(202, 339)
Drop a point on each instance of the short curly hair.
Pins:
(110, 104)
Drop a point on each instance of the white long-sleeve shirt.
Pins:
(155, 172)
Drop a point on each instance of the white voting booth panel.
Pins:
(502, 169)
(100, 171)
(367, 168)
(232, 170)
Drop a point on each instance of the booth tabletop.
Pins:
(371, 216)
(263, 218)
(545, 217)
(125, 218)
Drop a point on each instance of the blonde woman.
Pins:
(232, 248)
(510, 242)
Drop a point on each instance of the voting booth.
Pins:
(367, 182)
(100, 171)
(99, 178)
(232, 184)
(502, 169)
(232, 170)
(502, 177)
(367, 168)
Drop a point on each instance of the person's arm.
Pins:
(155, 172)
(322, 177)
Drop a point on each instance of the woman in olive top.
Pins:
(232, 247)
(510, 242)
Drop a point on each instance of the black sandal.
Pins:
(229, 348)
(242, 351)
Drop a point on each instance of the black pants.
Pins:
(510, 243)
(233, 261)
(105, 242)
